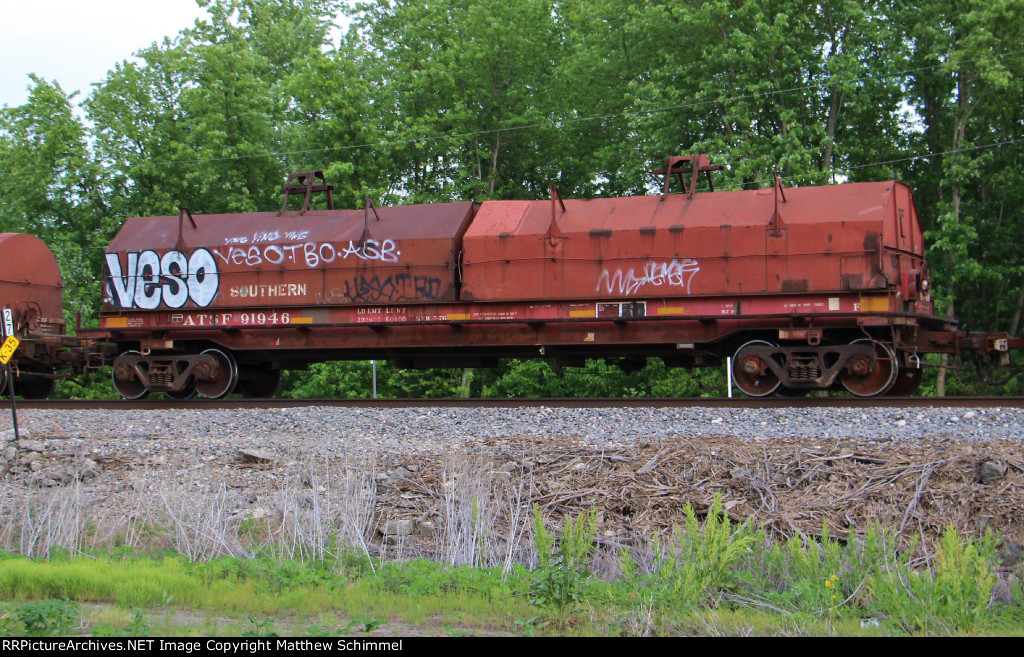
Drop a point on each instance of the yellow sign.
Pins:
(6, 351)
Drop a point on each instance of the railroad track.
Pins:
(632, 402)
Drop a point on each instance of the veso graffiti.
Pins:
(395, 288)
(149, 279)
(311, 254)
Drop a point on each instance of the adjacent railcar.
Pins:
(807, 288)
(32, 288)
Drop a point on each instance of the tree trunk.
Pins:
(940, 380)
(959, 132)
(833, 108)
(1016, 315)
(494, 164)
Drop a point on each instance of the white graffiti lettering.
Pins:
(373, 250)
(312, 254)
(175, 265)
(268, 236)
(673, 274)
(147, 279)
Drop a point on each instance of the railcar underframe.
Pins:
(855, 346)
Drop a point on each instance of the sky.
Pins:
(75, 42)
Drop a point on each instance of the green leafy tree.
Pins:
(53, 189)
(471, 86)
(526, 378)
(330, 380)
(330, 124)
(205, 119)
(965, 88)
(767, 87)
(683, 382)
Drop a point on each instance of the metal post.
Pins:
(7, 331)
(373, 364)
(728, 373)
(14, 411)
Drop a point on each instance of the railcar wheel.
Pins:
(878, 380)
(258, 382)
(188, 392)
(222, 383)
(126, 379)
(907, 381)
(32, 386)
(751, 373)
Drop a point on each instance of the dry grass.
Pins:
(472, 507)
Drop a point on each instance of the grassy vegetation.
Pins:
(706, 577)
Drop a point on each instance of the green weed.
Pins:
(557, 584)
(703, 562)
(712, 577)
(365, 624)
(47, 618)
(317, 630)
(260, 628)
(138, 626)
(953, 595)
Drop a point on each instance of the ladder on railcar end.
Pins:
(694, 165)
(305, 183)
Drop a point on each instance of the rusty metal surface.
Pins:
(305, 184)
(856, 308)
(852, 237)
(682, 165)
(31, 285)
(460, 342)
(630, 276)
(388, 255)
(797, 277)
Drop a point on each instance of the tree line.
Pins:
(441, 100)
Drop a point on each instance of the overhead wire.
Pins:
(910, 158)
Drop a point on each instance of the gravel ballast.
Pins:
(328, 430)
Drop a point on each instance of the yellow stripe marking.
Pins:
(583, 313)
(301, 320)
(117, 322)
(454, 317)
(671, 310)
(874, 304)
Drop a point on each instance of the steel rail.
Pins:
(630, 402)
